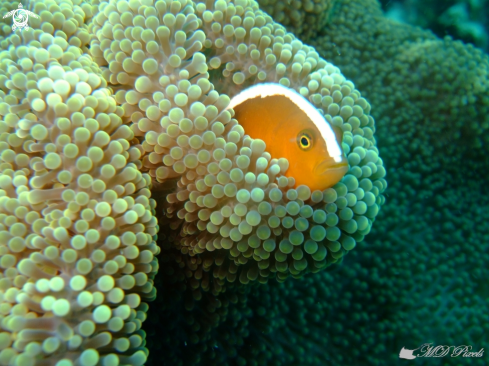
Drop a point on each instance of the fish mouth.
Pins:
(329, 165)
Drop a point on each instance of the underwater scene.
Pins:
(244, 183)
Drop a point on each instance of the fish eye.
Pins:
(305, 140)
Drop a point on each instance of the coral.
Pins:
(305, 19)
(5, 27)
(466, 20)
(99, 102)
(76, 222)
(392, 61)
(421, 274)
(432, 100)
(360, 313)
(174, 72)
(70, 18)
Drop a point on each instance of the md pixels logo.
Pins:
(20, 17)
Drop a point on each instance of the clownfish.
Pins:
(294, 129)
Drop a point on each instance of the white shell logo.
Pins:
(20, 17)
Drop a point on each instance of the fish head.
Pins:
(314, 164)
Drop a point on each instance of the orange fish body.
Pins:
(292, 128)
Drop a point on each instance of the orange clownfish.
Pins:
(294, 129)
